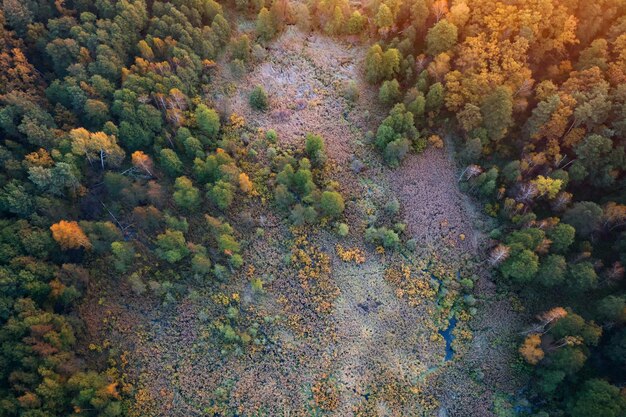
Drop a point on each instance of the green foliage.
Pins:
(123, 255)
(356, 23)
(208, 122)
(316, 149)
(389, 92)
(388, 238)
(221, 194)
(171, 163)
(265, 27)
(301, 215)
(258, 99)
(522, 264)
(394, 134)
(597, 398)
(562, 236)
(332, 204)
(382, 65)
(612, 309)
(186, 196)
(582, 276)
(171, 246)
(497, 112)
(441, 37)
(552, 270)
(434, 97)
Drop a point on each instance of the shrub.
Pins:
(259, 99)
(388, 238)
(316, 149)
(343, 229)
(332, 204)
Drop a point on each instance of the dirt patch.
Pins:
(435, 210)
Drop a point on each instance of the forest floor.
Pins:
(376, 349)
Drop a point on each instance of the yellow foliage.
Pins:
(436, 141)
(237, 121)
(355, 255)
(531, 349)
(244, 183)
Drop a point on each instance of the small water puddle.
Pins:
(449, 337)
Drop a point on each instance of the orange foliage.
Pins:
(40, 158)
(142, 161)
(531, 349)
(69, 235)
(244, 183)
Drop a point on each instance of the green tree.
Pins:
(356, 23)
(186, 196)
(562, 237)
(265, 27)
(599, 159)
(389, 92)
(521, 265)
(123, 255)
(552, 270)
(332, 204)
(497, 112)
(171, 246)
(596, 398)
(384, 18)
(259, 99)
(612, 309)
(435, 97)
(441, 37)
(170, 163)
(208, 122)
(582, 276)
(221, 194)
(585, 217)
(315, 149)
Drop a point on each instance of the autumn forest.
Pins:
(312, 208)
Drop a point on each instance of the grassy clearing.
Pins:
(317, 330)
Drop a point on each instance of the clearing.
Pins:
(376, 349)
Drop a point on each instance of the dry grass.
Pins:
(374, 343)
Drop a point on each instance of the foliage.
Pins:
(258, 99)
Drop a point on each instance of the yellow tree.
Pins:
(142, 161)
(96, 146)
(531, 349)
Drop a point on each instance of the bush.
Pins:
(342, 229)
(388, 238)
(259, 99)
(316, 149)
(171, 246)
(271, 136)
(396, 151)
(351, 91)
(332, 204)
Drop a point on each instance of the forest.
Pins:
(321, 208)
